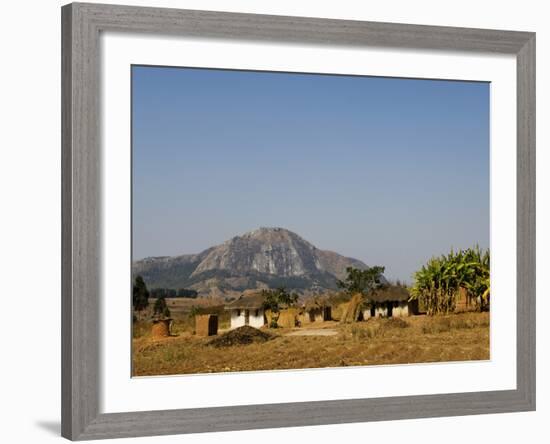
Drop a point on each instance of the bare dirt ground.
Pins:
(460, 337)
(313, 332)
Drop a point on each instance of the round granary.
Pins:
(161, 328)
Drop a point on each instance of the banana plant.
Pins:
(438, 283)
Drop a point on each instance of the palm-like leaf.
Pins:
(438, 282)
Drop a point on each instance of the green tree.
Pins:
(160, 308)
(361, 281)
(277, 299)
(140, 295)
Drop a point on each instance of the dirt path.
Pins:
(313, 332)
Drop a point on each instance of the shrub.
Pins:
(160, 308)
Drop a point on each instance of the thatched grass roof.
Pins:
(249, 300)
(316, 303)
(387, 293)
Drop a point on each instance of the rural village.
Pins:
(367, 320)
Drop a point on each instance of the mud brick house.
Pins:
(389, 301)
(248, 310)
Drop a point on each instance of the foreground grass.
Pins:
(416, 339)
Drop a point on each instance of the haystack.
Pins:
(339, 310)
(288, 318)
(353, 310)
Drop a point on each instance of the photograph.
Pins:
(285, 220)
(274, 222)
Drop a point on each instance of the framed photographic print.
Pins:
(280, 221)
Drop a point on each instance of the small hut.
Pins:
(206, 325)
(248, 309)
(388, 301)
(466, 302)
(317, 310)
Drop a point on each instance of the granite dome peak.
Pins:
(261, 258)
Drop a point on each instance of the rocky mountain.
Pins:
(263, 258)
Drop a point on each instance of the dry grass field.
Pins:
(415, 339)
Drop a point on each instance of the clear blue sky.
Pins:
(389, 171)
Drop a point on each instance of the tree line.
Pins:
(140, 300)
(173, 293)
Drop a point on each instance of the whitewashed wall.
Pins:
(256, 320)
(401, 310)
(366, 314)
(381, 310)
(238, 318)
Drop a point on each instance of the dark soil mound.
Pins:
(241, 336)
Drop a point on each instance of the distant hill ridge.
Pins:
(265, 257)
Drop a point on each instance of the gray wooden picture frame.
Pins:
(81, 171)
